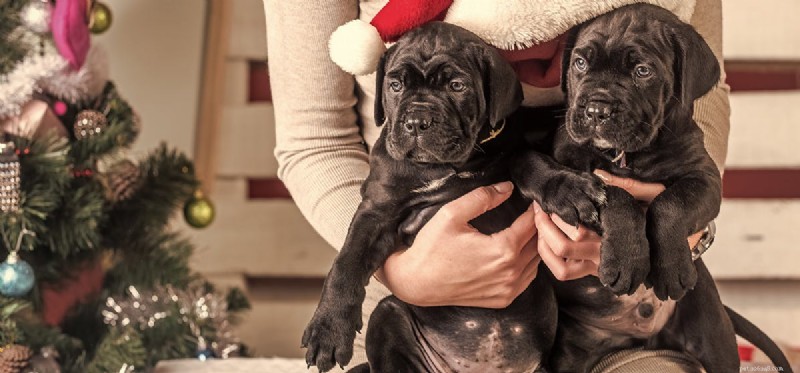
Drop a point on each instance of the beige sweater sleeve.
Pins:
(712, 111)
(320, 151)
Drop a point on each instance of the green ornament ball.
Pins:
(99, 18)
(198, 211)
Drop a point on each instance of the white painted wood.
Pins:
(247, 142)
(765, 130)
(237, 78)
(155, 55)
(774, 306)
(259, 238)
(756, 239)
(766, 29)
(249, 30)
(280, 313)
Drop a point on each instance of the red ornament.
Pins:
(60, 108)
(84, 284)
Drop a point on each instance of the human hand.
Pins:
(451, 263)
(645, 192)
(572, 252)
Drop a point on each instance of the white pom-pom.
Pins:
(356, 47)
(36, 16)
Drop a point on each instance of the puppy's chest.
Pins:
(642, 166)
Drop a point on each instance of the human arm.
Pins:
(320, 152)
(712, 111)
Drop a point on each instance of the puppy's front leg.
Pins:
(575, 196)
(624, 251)
(330, 333)
(682, 209)
(580, 197)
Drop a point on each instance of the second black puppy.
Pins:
(631, 78)
(444, 96)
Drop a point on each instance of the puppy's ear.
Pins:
(696, 66)
(566, 58)
(379, 115)
(502, 90)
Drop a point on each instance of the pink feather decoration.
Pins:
(70, 30)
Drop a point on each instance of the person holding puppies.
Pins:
(324, 125)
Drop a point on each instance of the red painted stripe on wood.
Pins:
(267, 188)
(745, 81)
(761, 183)
(258, 89)
(737, 184)
(765, 75)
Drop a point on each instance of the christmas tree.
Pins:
(93, 279)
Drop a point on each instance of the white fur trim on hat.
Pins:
(517, 24)
(356, 47)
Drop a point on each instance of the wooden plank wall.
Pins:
(260, 239)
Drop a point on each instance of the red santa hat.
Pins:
(357, 45)
(506, 24)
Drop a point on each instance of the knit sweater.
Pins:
(324, 116)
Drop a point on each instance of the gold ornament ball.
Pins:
(100, 18)
(199, 211)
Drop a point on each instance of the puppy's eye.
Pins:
(457, 86)
(580, 64)
(396, 86)
(643, 71)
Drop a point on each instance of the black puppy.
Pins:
(631, 77)
(444, 96)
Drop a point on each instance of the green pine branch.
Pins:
(43, 178)
(11, 45)
(75, 225)
(121, 130)
(136, 262)
(167, 183)
(117, 350)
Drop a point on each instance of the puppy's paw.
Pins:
(624, 262)
(329, 339)
(575, 197)
(672, 277)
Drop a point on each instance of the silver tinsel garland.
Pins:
(196, 308)
(88, 82)
(45, 70)
(17, 87)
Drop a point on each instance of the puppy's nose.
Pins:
(417, 121)
(598, 111)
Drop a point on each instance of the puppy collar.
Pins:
(494, 132)
(620, 159)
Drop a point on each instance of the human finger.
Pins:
(476, 202)
(560, 244)
(575, 233)
(562, 269)
(640, 190)
(521, 230)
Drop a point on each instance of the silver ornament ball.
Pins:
(36, 16)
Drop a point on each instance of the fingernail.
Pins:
(503, 187)
(605, 176)
(536, 207)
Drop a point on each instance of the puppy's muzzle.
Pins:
(598, 112)
(419, 118)
(417, 121)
